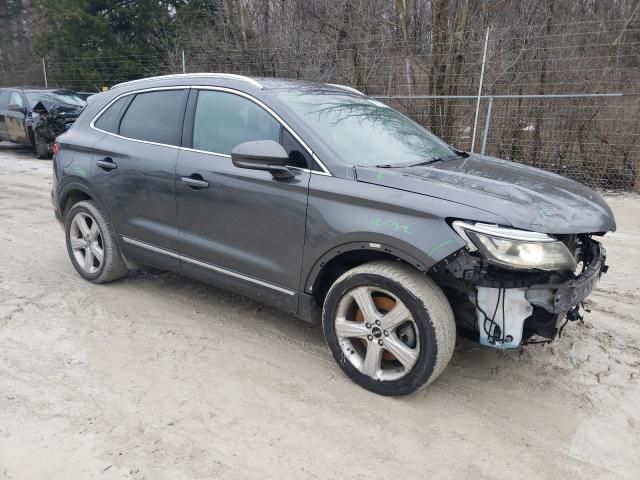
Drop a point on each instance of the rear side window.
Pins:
(110, 119)
(224, 120)
(155, 117)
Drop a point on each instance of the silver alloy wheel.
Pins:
(86, 242)
(382, 345)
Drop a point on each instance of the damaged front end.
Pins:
(50, 121)
(510, 285)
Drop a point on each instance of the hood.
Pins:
(526, 197)
(64, 109)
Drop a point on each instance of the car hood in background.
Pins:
(528, 198)
(70, 111)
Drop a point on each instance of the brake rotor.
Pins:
(384, 304)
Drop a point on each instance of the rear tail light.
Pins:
(55, 149)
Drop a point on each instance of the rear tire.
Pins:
(396, 351)
(92, 244)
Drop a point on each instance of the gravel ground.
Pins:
(158, 377)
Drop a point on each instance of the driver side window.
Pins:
(224, 120)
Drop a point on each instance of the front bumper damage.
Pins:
(502, 308)
(53, 120)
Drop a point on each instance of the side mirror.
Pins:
(264, 155)
(14, 107)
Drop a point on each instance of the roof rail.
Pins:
(345, 87)
(231, 76)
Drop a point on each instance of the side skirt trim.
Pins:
(150, 247)
(209, 266)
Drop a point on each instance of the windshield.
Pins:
(52, 98)
(363, 131)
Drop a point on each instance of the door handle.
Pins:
(106, 164)
(195, 181)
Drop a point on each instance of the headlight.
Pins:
(516, 248)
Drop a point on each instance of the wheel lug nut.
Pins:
(380, 342)
(386, 334)
(377, 322)
(369, 337)
(368, 325)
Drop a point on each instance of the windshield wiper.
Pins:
(405, 165)
(427, 162)
(423, 162)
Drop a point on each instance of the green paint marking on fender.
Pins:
(390, 224)
(439, 246)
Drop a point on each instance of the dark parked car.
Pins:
(326, 203)
(36, 116)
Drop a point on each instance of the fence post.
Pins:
(184, 65)
(484, 59)
(44, 71)
(487, 121)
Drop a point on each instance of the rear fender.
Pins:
(78, 184)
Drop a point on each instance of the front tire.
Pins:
(389, 327)
(92, 244)
(40, 146)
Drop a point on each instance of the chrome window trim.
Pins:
(216, 154)
(325, 171)
(229, 76)
(209, 266)
(139, 141)
(126, 94)
(206, 152)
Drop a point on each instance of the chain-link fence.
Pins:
(566, 99)
(590, 138)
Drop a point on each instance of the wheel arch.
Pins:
(74, 192)
(346, 256)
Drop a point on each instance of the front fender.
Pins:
(382, 243)
(344, 214)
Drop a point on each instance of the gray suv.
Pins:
(332, 206)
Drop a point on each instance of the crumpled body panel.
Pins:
(55, 120)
